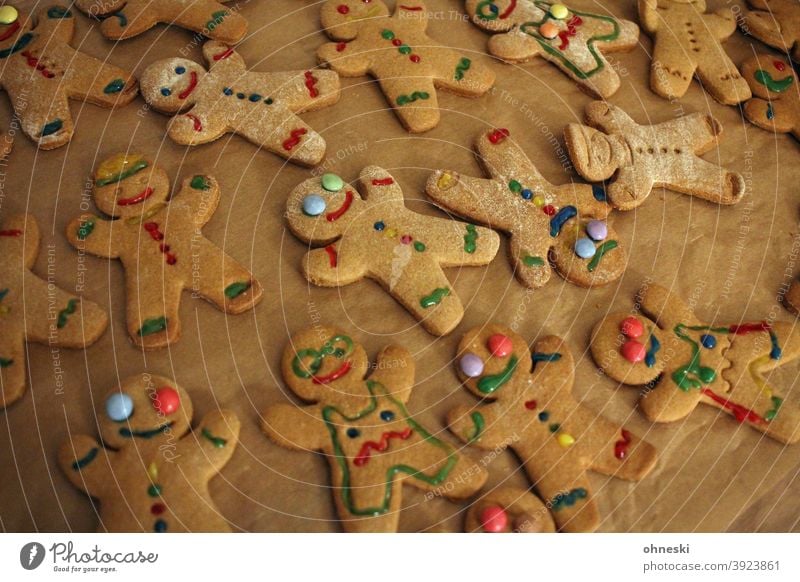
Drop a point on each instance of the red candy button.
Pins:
(633, 351)
(166, 400)
(500, 345)
(631, 327)
(494, 519)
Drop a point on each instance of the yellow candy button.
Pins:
(566, 440)
(559, 11)
(538, 201)
(8, 15)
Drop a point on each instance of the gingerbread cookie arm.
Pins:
(199, 125)
(213, 443)
(22, 229)
(55, 23)
(220, 55)
(473, 198)
(648, 15)
(296, 428)
(765, 26)
(711, 182)
(232, 288)
(51, 126)
(414, 101)
(110, 85)
(200, 194)
(94, 235)
(380, 187)
(328, 267)
(456, 244)
(217, 22)
(133, 19)
(671, 72)
(461, 75)
(153, 303)
(347, 59)
(609, 118)
(86, 464)
(12, 364)
(395, 369)
(302, 91)
(515, 47)
(665, 308)
(481, 426)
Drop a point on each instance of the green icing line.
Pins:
(63, 315)
(6, 362)
(114, 86)
(58, 12)
(51, 127)
(773, 412)
(461, 68)
(406, 99)
(151, 326)
(435, 298)
(218, 442)
(471, 239)
(328, 349)
(774, 85)
(79, 464)
(137, 167)
(199, 183)
(216, 20)
(531, 261)
(693, 375)
(85, 229)
(479, 422)
(609, 245)
(233, 290)
(490, 384)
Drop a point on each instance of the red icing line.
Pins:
(333, 258)
(224, 54)
(746, 328)
(383, 182)
(154, 232)
(418, 8)
(293, 139)
(739, 412)
(34, 62)
(12, 232)
(141, 197)
(365, 452)
(10, 32)
(508, 10)
(341, 46)
(192, 86)
(335, 375)
(337, 214)
(498, 135)
(198, 126)
(621, 446)
(565, 35)
(311, 81)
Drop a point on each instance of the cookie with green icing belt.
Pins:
(685, 362)
(687, 42)
(507, 510)
(527, 405)
(564, 224)
(408, 64)
(573, 40)
(161, 246)
(150, 474)
(360, 423)
(776, 23)
(41, 73)
(129, 18)
(643, 157)
(776, 102)
(33, 309)
(377, 237)
(227, 98)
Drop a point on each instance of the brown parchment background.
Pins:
(713, 475)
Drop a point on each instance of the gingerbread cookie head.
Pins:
(128, 185)
(145, 407)
(776, 95)
(15, 26)
(171, 84)
(597, 154)
(321, 210)
(509, 510)
(340, 17)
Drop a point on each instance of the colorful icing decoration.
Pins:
(597, 230)
(493, 11)
(337, 214)
(633, 351)
(650, 356)
(560, 218)
(200, 183)
(166, 400)
(86, 460)
(114, 86)
(435, 298)
(559, 11)
(500, 345)
(218, 442)
(8, 14)
(381, 446)
(531, 261)
(119, 407)
(471, 365)
(152, 326)
(494, 519)
(339, 346)
(155, 233)
(499, 135)
(294, 139)
(479, 423)
(471, 239)
(584, 248)
(609, 245)
(549, 30)
(542, 357)
(492, 383)
(51, 127)
(118, 168)
(632, 327)
(63, 315)
(138, 199)
(145, 434)
(568, 499)
(332, 182)
(233, 290)
(6, 362)
(622, 445)
(461, 68)
(708, 341)
(416, 95)
(313, 205)
(775, 85)
(333, 256)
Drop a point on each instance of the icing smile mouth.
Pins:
(145, 434)
(366, 449)
(192, 86)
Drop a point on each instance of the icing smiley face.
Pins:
(342, 14)
(128, 185)
(315, 367)
(145, 409)
(172, 84)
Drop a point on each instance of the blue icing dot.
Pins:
(269, 101)
(526, 194)
(166, 92)
(160, 526)
(709, 341)
(313, 205)
(353, 432)
(240, 95)
(255, 97)
(543, 416)
(379, 226)
(180, 70)
(228, 91)
(387, 415)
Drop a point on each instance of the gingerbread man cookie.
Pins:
(688, 42)
(776, 102)
(641, 157)
(148, 474)
(376, 236)
(408, 64)
(361, 425)
(686, 362)
(35, 310)
(564, 223)
(161, 246)
(41, 72)
(261, 107)
(128, 18)
(509, 509)
(573, 40)
(534, 413)
(776, 23)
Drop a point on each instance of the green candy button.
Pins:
(332, 182)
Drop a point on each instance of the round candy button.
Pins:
(119, 407)
(633, 351)
(584, 248)
(709, 341)
(332, 182)
(559, 11)
(597, 229)
(548, 30)
(313, 205)
(494, 519)
(471, 365)
(631, 327)
(166, 400)
(500, 345)
(8, 14)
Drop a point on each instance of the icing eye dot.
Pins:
(353, 432)
(166, 92)
(379, 226)
(332, 182)
(180, 70)
(584, 248)
(633, 351)
(709, 341)
(387, 415)
(631, 327)
(166, 400)
(119, 407)
(597, 230)
(313, 205)
(494, 519)
(500, 345)
(471, 365)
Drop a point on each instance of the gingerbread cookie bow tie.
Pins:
(41, 72)
(573, 40)
(227, 98)
(361, 425)
(688, 362)
(775, 23)
(376, 236)
(161, 246)
(149, 474)
(408, 64)
(128, 18)
(564, 224)
(643, 157)
(534, 413)
(776, 102)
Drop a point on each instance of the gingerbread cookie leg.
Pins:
(110, 85)
(12, 360)
(152, 309)
(670, 72)
(50, 122)
(463, 76)
(711, 182)
(217, 435)
(480, 426)
(724, 82)
(223, 24)
(414, 100)
(226, 283)
(293, 139)
(197, 126)
(86, 463)
(131, 20)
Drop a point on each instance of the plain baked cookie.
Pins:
(149, 474)
(361, 425)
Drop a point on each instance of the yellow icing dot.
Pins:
(8, 15)
(116, 164)
(152, 470)
(446, 181)
(538, 201)
(566, 440)
(4, 309)
(391, 232)
(559, 11)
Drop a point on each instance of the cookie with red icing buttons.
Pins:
(507, 510)
(409, 65)
(41, 72)
(685, 362)
(775, 105)
(227, 98)
(572, 39)
(527, 406)
(128, 18)
(360, 423)
(565, 225)
(642, 157)
(149, 474)
(158, 238)
(374, 235)
(775, 23)
(33, 309)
